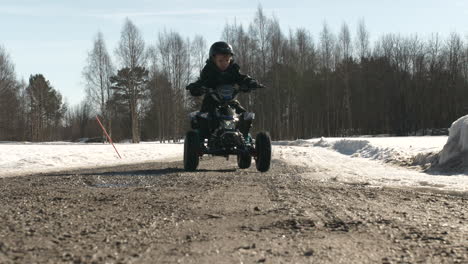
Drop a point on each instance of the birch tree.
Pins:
(97, 75)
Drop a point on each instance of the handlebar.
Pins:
(209, 90)
(237, 88)
(260, 86)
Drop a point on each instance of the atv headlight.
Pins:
(229, 124)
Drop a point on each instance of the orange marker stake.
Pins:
(108, 138)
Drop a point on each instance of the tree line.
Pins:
(340, 85)
(337, 84)
(28, 111)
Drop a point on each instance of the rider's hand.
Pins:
(253, 84)
(192, 86)
(244, 88)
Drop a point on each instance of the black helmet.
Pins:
(220, 47)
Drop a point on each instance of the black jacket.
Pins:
(212, 77)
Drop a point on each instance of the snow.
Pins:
(388, 149)
(457, 143)
(26, 158)
(375, 161)
(329, 165)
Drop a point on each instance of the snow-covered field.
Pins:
(27, 158)
(376, 161)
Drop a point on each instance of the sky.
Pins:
(53, 37)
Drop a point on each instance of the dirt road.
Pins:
(157, 213)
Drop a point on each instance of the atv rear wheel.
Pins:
(191, 151)
(263, 150)
(244, 160)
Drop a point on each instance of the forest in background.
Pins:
(333, 84)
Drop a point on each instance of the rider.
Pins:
(221, 69)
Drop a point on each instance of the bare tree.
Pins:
(7, 93)
(362, 40)
(465, 60)
(306, 51)
(199, 53)
(175, 66)
(454, 52)
(454, 57)
(77, 121)
(259, 30)
(327, 44)
(344, 43)
(131, 49)
(8, 96)
(82, 114)
(97, 74)
(132, 57)
(175, 58)
(7, 71)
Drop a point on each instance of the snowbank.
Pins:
(365, 161)
(327, 164)
(399, 150)
(455, 151)
(26, 158)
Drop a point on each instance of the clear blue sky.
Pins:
(52, 37)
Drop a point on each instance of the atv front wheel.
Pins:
(263, 150)
(191, 151)
(244, 160)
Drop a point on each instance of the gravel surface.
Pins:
(158, 213)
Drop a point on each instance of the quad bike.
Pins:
(225, 137)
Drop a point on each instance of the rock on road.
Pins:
(158, 213)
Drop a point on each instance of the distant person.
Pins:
(220, 69)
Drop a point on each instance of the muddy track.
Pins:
(157, 213)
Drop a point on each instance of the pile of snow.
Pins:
(27, 158)
(439, 152)
(328, 165)
(455, 151)
(364, 160)
(399, 150)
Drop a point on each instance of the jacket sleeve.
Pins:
(204, 77)
(195, 88)
(244, 79)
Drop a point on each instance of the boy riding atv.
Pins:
(222, 120)
(220, 69)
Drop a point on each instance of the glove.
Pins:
(253, 84)
(192, 86)
(195, 89)
(244, 88)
